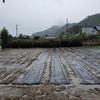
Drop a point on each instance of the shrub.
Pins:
(4, 37)
(22, 43)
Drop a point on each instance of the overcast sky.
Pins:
(38, 15)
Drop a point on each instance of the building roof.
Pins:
(50, 37)
(90, 30)
(98, 27)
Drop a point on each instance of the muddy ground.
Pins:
(50, 74)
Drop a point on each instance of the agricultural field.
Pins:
(50, 74)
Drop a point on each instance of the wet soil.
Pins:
(50, 74)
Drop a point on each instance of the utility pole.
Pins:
(66, 27)
(17, 30)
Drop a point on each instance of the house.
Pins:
(91, 30)
(50, 37)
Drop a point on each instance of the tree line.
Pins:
(24, 41)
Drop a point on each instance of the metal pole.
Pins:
(17, 30)
(66, 27)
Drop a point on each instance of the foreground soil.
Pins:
(15, 64)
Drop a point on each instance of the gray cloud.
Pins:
(37, 15)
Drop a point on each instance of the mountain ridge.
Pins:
(89, 21)
(48, 32)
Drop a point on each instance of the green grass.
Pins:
(96, 47)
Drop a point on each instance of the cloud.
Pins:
(37, 15)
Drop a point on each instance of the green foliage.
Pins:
(10, 37)
(61, 35)
(21, 36)
(90, 21)
(0, 42)
(75, 29)
(83, 37)
(46, 35)
(49, 32)
(97, 47)
(29, 43)
(71, 43)
(4, 37)
(62, 29)
(93, 20)
(94, 38)
(36, 37)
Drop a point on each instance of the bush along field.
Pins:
(21, 43)
(24, 41)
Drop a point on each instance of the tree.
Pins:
(61, 35)
(36, 37)
(4, 37)
(46, 35)
(75, 29)
(21, 36)
(83, 37)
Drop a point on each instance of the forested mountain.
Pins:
(47, 32)
(93, 20)
(89, 21)
(63, 30)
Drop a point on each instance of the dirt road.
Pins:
(50, 74)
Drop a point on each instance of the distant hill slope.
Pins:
(63, 29)
(48, 32)
(90, 21)
(93, 20)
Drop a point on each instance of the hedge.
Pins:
(22, 43)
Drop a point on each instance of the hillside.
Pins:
(93, 20)
(63, 29)
(48, 32)
(90, 21)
